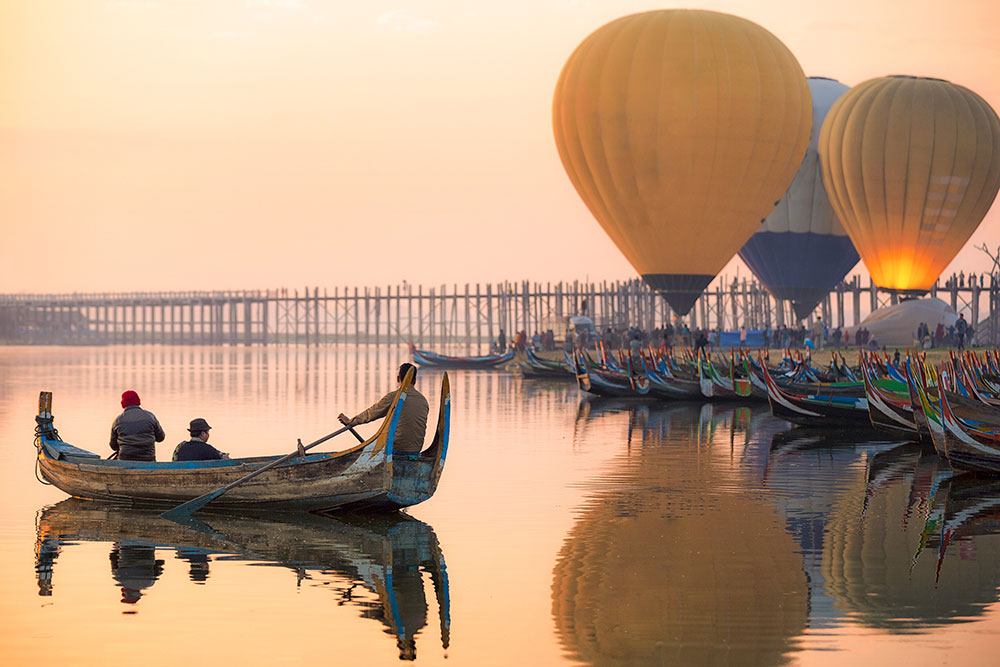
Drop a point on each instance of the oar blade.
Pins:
(185, 510)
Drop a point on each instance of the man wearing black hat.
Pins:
(197, 448)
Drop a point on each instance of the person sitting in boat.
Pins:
(412, 424)
(135, 432)
(197, 448)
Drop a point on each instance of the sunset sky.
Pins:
(230, 144)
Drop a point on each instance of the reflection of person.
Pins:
(412, 424)
(135, 568)
(198, 560)
(414, 551)
(197, 448)
(135, 431)
(411, 605)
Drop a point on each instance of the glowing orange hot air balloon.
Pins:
(681, 129)
(911, 166)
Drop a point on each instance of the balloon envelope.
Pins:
(911, 166)
(680, 130)
(801, 251)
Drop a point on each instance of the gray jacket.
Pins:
(135, 433)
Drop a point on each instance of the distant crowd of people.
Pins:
(817, 337)
(954, 335)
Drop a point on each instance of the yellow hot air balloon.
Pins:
(911, 166)
(680, 130)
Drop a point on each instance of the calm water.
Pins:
(565, 531)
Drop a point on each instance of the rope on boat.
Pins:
(39, 477)
(43, 427)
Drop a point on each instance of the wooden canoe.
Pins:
(972, 441)
(672, 386)
(530, 365)
(602, 381)
(817, 408)
(367, 475)
(889, 406)
(430, 359)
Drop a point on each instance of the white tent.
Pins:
(897, 325)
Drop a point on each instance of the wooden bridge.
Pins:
(470, 315)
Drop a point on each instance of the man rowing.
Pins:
(412, 424)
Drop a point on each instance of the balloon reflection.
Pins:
(722, 534)
(808, 470)
(385, 555)
(656, 569)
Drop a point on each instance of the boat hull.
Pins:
(971, 444)
(829, 410)
(315, 482)
(890, 410)
(431, 360)
(532, 366)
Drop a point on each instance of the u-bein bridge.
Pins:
(470, 315)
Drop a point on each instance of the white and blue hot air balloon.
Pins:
(801, 251)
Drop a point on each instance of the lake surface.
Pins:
(565, 530)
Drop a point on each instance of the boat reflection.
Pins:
(809, 470)
(971, 508)
(673, 559)
(746, 429)
(720, 534)
(902, 504)
(387, 555)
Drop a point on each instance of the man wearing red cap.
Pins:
(136, 431)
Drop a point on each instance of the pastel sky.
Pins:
(229, 144)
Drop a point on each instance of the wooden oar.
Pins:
(185, 510)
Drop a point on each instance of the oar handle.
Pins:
(355, 434)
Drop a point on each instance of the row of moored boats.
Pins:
(953, 405)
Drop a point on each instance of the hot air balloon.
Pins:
(801, 251)
(911, 165)
(680, 130)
